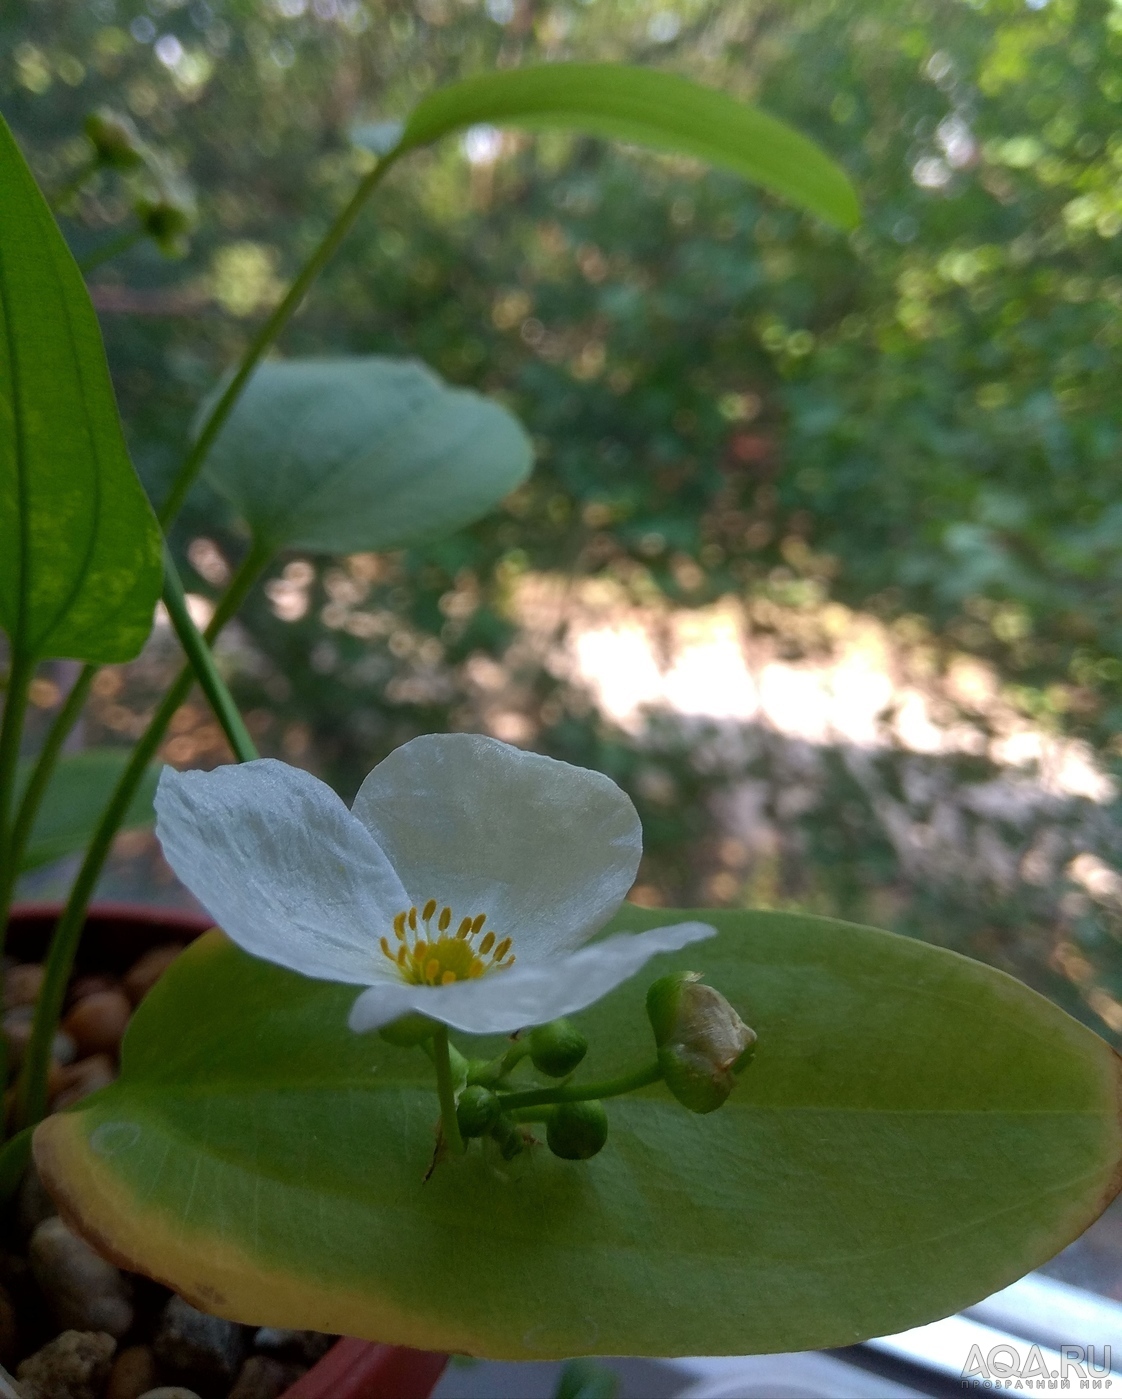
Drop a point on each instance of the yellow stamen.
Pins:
(441, 957)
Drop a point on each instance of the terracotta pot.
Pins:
(116, 934)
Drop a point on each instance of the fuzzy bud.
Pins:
(557, 1048)
(702, 1042)
(577, 1131)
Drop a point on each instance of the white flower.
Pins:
(462, 884)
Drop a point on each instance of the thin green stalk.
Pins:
(44, 768)
(185, 478)
(113, 248)
(32, 1089)
(581, 1092)
(20, 676)
(202, 663)
(449, 1123)
(193, 461)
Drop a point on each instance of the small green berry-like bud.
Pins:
(168, 217)
(577, 1131)
(116, 141)
(410, 1030)
(477, 1111)
(702, 1042)
(508, 1138)
(557, 1048)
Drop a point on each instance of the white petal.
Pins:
(526, 995)
(278, 861)
(547, 850)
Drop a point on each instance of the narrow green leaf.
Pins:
(917, 1131)
(339, 455)
(650, 108)
(79, 546)
(75, 799)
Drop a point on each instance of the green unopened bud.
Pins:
(410, 1030)
(702, 1042)
(577, 1131)
(557, 1048)
(116, 141)
(167, 217)
(477, 1111)
(508, 1137)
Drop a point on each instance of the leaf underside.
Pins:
(917, 1131)
(369, 452)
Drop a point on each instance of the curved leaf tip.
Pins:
(651, 108)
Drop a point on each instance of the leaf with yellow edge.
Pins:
(916, 1132)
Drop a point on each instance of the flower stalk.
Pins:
(446, 1091)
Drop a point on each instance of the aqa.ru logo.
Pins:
(1028, 1369)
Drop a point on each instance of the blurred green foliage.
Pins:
(919, 419)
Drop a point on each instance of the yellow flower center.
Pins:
(425, 956)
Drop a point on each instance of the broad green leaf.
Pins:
(79, 546)
(341, 455)
(649, 108)
(917, 1131)
(75, 799)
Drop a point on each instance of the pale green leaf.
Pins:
(75, 799)
(341, 455)
(917, 1131)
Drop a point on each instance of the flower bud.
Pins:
(702, 1042)
(557, 1048)
(167, 217)
(577, 1131)
(508, 1137)
(409, 1030)
(116, 141)
(477, 1111)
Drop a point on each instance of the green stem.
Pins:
(32, 1090)
(113, 248)
(448, 1121)
(514, 1056)
(20, 676)
(185, 477)
(202, 663)
(579, 1093)
(46, 762)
